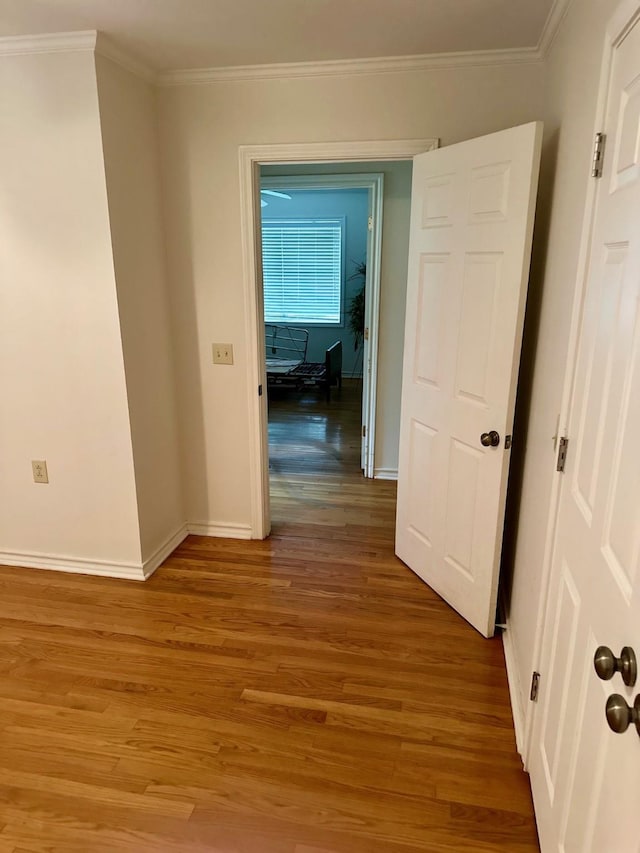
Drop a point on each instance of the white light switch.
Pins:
(222, 353)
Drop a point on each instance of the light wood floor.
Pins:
(304, 694)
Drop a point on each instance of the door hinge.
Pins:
(259, 390)
(364, 430)
(598, 156)
(366, 333)
(562, 453)
(370, 223)
(535, 686)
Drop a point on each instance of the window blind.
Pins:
(302, 270)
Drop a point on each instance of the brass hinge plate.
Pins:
(598, 156)
(535, 686)
(562, 453)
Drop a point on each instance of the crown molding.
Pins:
(49, 43)
(91, 40)
(72, 42)
(555, 18)
(110, 50)
(348, 67)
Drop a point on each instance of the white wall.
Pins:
(202, 127)
(571, 82)
(63, 395)
(129, 136)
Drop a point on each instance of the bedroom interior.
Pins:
(394, 178)
(314, 258)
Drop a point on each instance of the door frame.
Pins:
(251, 157)
(374, 184)
(623, 18)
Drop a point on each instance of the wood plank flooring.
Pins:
(306, 694)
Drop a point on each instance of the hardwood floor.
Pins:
(306, 694)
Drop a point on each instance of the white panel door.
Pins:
(470, 240)
(585, 777)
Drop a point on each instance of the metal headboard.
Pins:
(287, 342)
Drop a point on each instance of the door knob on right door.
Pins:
(606, 664)
(490, 439)
(620, 715)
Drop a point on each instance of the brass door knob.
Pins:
(606, 664)
(490, 439)
(620, 715)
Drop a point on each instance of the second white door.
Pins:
(586, 777)
(470, 242)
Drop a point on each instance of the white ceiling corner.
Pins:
(554, 19)
(110, 50)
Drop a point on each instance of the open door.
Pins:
(472, 212)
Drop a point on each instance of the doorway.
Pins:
(318, 278)
(321, 249)
(251, 159)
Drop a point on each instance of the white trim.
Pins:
(250, 157)
(162, 552)
(348, 152)
(626, 13)
(110, 50)
(254, 340)
(64, 563)
(385, 473)
(48, 43)
(515, 689)
(74, 42)
(220, 529)
(550, 30)
(350, 67)
(372, 322)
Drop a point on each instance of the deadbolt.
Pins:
(620, 715)
(490, 439)
(606, 664)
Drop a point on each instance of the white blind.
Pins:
(302, 270)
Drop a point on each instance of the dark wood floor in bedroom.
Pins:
(306, 694)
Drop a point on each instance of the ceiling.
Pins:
(182, 34)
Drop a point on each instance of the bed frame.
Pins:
(287, 365)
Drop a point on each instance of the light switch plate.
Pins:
(40, 473)
(222, 353)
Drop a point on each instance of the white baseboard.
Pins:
(515, 689)
(385, 473)
(64, 563)
(160, 554)
(221, 529)
(125, 571)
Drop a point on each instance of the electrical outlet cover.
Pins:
(40, 473)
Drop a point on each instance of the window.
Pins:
(302, 270)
